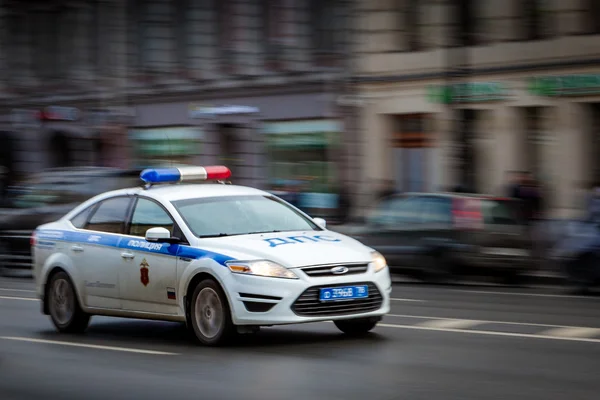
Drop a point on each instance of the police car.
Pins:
(224, 259)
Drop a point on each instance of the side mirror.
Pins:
(321, 222)
(160, 235)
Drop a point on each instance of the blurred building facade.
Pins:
(249, 83)
(461, 92)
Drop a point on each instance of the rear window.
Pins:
(499, 212)
(475, 213)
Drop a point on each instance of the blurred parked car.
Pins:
(46, 197)
(440, 236)
(577, 254)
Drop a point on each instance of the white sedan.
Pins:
(224, 259)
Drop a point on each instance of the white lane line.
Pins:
(16, 290)
(482, 321)
(491, 292)
(491, 333)
(91, 346)
(450, 323)
(19, 298)
(413, 300)
(574, 332)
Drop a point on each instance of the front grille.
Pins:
(308, 304)
(325, 270)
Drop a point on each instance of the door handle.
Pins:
(77, 248)
(128, 256)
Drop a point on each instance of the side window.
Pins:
(148, 214)
(407, 211)
(438, 210)
(397, 210)
(110, 215)
(80, 219)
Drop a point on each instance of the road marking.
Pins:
(564, 296)
(91, 346)
(450, 323)
(414, 300)
(19, 298)
(491, 333)
(573, 332)
(17, 290)
(483, 321)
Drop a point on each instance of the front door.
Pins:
(394, 230)
(148, 275)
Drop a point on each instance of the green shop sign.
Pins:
(177, 147)
(298, 141)
(470, 92)
(567, 85)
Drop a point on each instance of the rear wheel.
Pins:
(356, 327)
(63, 305)
(581, 273)
(210, 314)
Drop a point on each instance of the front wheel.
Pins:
(210, 314)
(63, 305)
(356, 327)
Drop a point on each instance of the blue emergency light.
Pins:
(181, 174)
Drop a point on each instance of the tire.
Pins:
(511, 278)
(356, 327)
(440, 270)
(63, 305)
(210, 314)
(580, 273)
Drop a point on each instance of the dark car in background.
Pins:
(438, 237)
(46, 197)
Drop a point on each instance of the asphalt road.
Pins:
(438, 343)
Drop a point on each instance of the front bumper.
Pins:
(275, 301)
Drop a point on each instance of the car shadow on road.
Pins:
(166, 335)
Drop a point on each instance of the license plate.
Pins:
(344, 293)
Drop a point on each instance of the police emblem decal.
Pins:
(144, 276)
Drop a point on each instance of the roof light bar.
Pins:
(181, 174)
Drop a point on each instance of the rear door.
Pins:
(504, 234)
(98, 254)
(436, 232)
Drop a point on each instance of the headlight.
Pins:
(261, 268)
(378, 261)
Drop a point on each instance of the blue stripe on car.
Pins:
(125, 242)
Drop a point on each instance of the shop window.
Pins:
(412, 145)
(60, 152)
(594, 110)
(301, 159)
(466, 154)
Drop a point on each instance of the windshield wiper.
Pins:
(257, 232)
(214, 235)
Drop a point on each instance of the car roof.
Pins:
(182, 191)
(455, 194)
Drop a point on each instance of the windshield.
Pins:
(240, 215)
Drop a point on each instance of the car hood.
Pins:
(291, 249)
